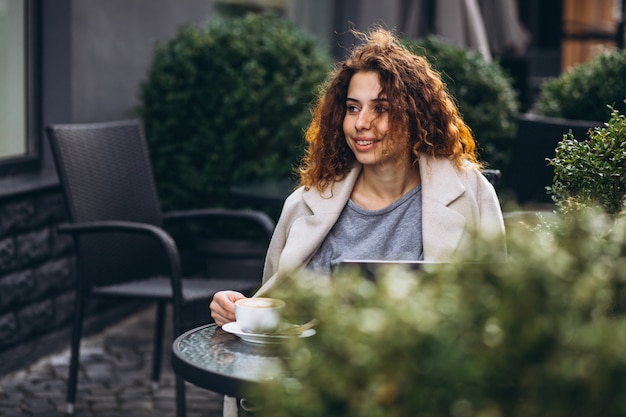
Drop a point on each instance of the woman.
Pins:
(390, 172)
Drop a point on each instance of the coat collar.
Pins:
(442, 226)
(439, 178)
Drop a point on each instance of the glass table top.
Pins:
(214, 359)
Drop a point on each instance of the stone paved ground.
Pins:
(114, 379)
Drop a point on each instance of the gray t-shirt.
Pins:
(391, 233)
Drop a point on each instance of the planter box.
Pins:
(536, 140)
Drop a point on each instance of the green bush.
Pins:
(541, 334)
(228, 102)
(484, 94)
(593, 171)
(583, 92)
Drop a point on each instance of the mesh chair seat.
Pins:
(160, 288)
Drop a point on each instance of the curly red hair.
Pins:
(422, 112)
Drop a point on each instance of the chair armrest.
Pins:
(113, 226)
(258, 217)
(159, 235)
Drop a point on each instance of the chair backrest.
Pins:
(106, 174)
(105, 171)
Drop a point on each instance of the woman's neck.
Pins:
(380, 185)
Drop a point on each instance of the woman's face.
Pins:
(365, 125)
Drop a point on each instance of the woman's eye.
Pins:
(352, 108)
(381, 109)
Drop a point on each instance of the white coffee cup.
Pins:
(258, 315)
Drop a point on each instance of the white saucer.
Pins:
(265, 339)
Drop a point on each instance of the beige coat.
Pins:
(455, 204)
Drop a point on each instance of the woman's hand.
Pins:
(223, 306)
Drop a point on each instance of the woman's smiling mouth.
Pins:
(364, 144)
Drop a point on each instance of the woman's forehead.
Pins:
(365, 85)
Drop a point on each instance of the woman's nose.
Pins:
(363, 120)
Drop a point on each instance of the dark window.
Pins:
(19, 115)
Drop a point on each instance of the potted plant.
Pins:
(592, 171)
(576, 100)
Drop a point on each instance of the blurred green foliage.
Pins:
(585, 90)
(484, 93)
(228, 102)
(539, 334)
(593, 171)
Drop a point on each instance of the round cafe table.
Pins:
(218, 361)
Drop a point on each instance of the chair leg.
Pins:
(181, 407)
(77, 330)
(158, 343)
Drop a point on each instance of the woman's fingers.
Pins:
(223, 306)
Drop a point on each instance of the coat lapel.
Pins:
(310, 231)
(442, 226)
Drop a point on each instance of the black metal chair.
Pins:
(122, 246)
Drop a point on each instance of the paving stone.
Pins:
(89, 352)
(108, 413)
(15, 377)
(106, 398)
(101, 373)
(101, 406)
(10, 393)
(114, 379)
(79, 412)
(61, 359)
(39, 406)
(9, 405)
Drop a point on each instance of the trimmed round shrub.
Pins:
(228, 102)
(483, 91)
(585, 91)
(592, 172)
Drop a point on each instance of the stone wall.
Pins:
(37, 280)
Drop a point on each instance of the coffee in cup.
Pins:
(258, 315)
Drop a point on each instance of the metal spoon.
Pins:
(297, 329)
